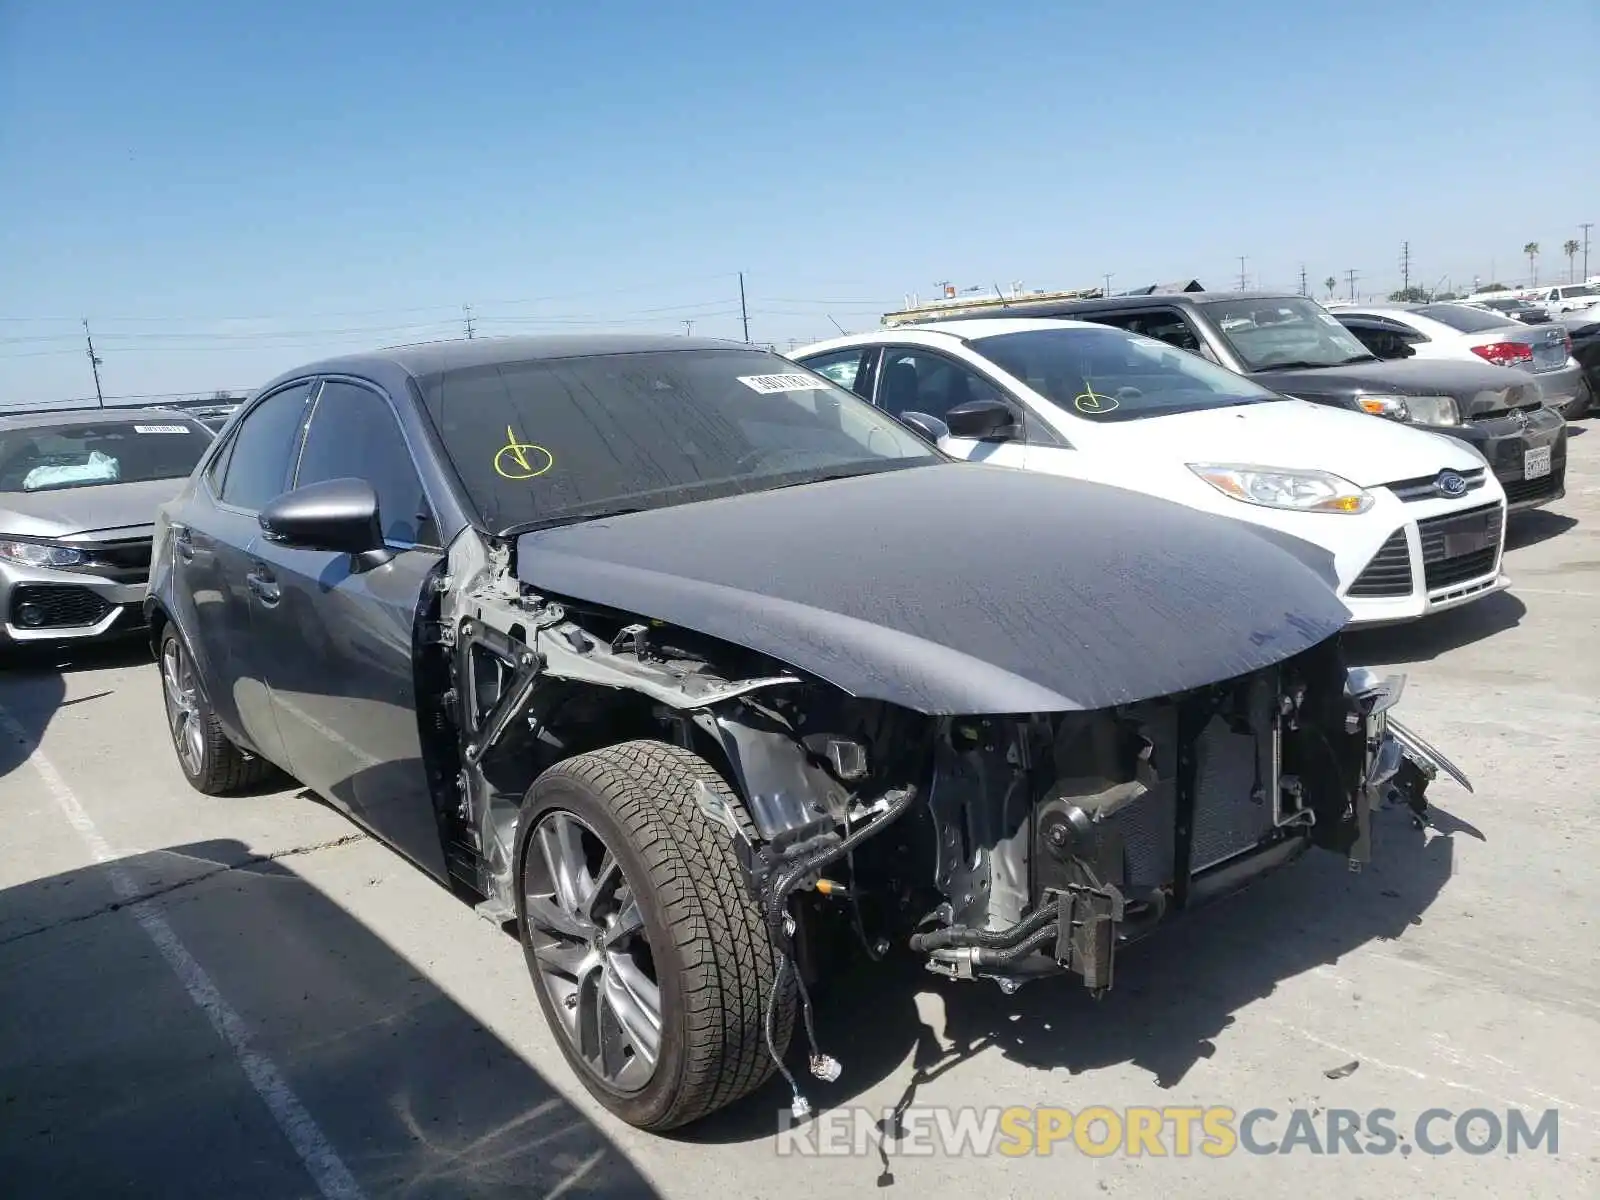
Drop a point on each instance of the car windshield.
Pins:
(1285, 332)
(1111, 375)
(547, 441)
(1463, 318)
(55, 457)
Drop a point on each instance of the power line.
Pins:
(94, 363)
(466, 310)
(1241, 272)
(1405, 266)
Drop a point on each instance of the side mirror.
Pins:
(338, 515)
(985, 420)
(929, 427)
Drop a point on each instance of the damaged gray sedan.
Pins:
(701, 671)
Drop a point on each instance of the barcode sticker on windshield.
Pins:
(161, 429)
(781, 383)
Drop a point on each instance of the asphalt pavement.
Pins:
(248, 997)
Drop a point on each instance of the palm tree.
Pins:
(1532, 251)
(1570, 248)
(1330, 283)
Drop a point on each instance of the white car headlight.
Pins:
(1418, 410)
(1271, 487)
(37, 554)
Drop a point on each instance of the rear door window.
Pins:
(257, 469)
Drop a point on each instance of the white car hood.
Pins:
(1366, 450)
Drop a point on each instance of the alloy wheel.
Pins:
(183, 705)
(592, 953)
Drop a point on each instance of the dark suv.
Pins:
(1293, 345)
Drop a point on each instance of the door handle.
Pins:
(265, 587)
(182, 546)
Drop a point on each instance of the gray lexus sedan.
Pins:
(78, 498)
(711, 679)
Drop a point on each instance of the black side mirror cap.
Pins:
(928, 426)
(985, 420)
(337, 515)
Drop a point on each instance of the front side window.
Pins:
(1108, 375)
(354, 435)
(258, 459)
(925, 382)
(53, 458)
(1284, 333)
(552, 440)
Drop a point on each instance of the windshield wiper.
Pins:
(1297, 364)
(1357, 358)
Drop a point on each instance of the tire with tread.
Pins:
(224, 767)
(715, 961)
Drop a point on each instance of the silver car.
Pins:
(1467, 333)
(78, 497)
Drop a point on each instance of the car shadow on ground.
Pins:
(1535, 526)
(33, 685)
(1427, 639)
(1176, 992)
(115, 1081)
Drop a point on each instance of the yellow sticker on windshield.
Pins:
(519, 460)
(1091, 401)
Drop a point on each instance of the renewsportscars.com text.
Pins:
(1212, 1132)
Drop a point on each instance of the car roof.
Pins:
(963, 329)
(40, 418)
(432, 358)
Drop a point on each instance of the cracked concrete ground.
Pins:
(1462, 970)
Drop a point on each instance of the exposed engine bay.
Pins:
(999, 847)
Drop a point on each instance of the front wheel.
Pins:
(649, 957)
(209, 760)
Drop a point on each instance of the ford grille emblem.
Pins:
(1450, 484)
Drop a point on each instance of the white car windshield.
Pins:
(57, 457)
(1110, 375)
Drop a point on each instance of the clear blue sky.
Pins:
(227, 190)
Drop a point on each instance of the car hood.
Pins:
(63, 512)
(960, 589)
(1477, 389)
(1294, 433)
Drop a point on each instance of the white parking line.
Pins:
(322, 1162)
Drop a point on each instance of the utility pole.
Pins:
(1351, 276)
(744, 313)
(1302, 279)
(688, 328)
(467, 311)
(94, 364)
(1405, 266)
(1241, 272)
(1106, 289)
(1586, 226)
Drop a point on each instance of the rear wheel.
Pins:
(208, 758)
(649, 957)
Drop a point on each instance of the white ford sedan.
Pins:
(1414, 521)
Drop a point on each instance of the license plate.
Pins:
(1467, 535)
(1548, 358)
(1536, 463)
